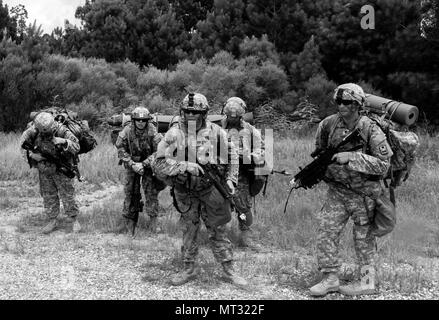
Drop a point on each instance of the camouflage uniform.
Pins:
(196, 197)
(53, 184)
(137, 146)
(248, 140)
(352, 190)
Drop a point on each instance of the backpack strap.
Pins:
(332, 125)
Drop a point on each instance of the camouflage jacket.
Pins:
(137, 146)
(31, 139)
(249, 144)
(178, 148)
(368, 163)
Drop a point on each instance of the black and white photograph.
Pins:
(222, 157)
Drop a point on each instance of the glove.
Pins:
(148, 162)
(194, 169)
(138, 168)
(59, 141)
(231, 187)
(342, 157)
(36, 156)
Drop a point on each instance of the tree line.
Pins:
(278, 51)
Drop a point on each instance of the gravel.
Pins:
(95, 265)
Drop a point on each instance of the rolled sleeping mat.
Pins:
(73, 115)
(399, 112)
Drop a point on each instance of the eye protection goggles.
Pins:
(344, 102)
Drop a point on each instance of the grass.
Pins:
(415, 237)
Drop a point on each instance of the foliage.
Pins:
(280, 51)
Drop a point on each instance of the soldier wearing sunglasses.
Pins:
(136, 144)
(353, 185)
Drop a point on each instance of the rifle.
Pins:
(313, 173)
(283, 172)
(212, 174)
(70, 171)
(136, 202)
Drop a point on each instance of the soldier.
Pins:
(354, 182)
(136, 144)
(195, 195)
(48, 137)
(249, 143)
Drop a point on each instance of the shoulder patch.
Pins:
(383, 149)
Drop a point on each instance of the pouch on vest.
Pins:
(384, 218)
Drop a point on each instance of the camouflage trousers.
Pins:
(196, 207)
(340, 205)
(243, 202)
(53, 187)
(131, 209)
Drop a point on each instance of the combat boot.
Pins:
(76, 225)
(50, 227)
(125, 226)
(153, 225)
(189, 273)
(246, 241)
(230, 275)
(365, 286)
(330, 283)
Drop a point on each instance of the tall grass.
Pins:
(416, 234)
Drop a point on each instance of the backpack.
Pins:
(79, 128)
(404, 144)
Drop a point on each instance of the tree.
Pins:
(146, 32)
(19, 14)
(306, 64)
(190, 12)
(8, 25)
(223, 29)
(430, 19)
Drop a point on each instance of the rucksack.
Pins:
(404, 144)
(78, 127)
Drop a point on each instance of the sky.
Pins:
(49, 13)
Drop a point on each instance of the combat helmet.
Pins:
(44, 123)
(235, 107)
(195, 102)
(350, 91)
(141, 113)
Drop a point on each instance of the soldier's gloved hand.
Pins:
(59, 141)
(194, 169)
(36, 156)
(138, 168)
(148, 162)
(231, 187)
(342, 157)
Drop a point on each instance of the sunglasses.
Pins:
(193, 112)
(344, 102)
(142, 121)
